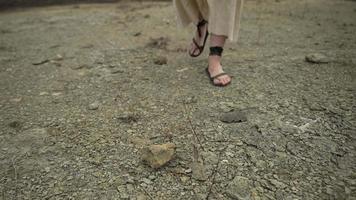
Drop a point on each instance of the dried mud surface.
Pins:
(84, 87)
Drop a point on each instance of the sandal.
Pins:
(198, 47)
(216, 51)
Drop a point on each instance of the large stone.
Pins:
(234, 116)
(239, 188)
(158, 155)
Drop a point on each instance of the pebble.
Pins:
(152, 177)
(277, 184)
(93, 106)
(117, 70)
(56, 93)
(147, 181)
(317, 58)
(184, 179)
(230, 154)
(189, 170)
(161, 60)
(14, 124)
(47, 169)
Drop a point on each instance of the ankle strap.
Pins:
(216, 51)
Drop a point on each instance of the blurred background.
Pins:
(5, 4)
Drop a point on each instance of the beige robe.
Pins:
(223, 15)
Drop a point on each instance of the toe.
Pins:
(217, 81)
(225, 80)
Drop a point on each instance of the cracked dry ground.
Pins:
(84, 86)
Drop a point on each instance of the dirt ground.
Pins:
(84, 87)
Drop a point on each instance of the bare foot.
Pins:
(215, 68)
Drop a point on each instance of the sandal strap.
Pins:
(197, 45)
(201, 23)
(218, 75)
(200, 48)
(216, 51)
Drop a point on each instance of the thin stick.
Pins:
(15, 170)
(148, 194)
(193, 129)
(213, 175)
(15, 173)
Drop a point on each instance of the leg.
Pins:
(193, 11)
(215, 67)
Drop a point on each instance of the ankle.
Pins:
(214, 63)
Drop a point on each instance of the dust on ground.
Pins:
(84, 86)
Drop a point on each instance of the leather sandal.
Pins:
(197, 46)
(216, 51)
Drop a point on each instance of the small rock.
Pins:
(190, 100)
(41, 62)
(199, 171)
(14, 124)
(147, 181)
(58, 57)
(234, 116)
(161, 60)
(56, 94)
(93, 106)
(184, 179)
(317, 58)
(128, 179)
(79, 66)
(239, 188)
(128, 118)
(137, 34)
(152, 177)
(277, 184)
(158, 155)
(47, 169)
(117, 70)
